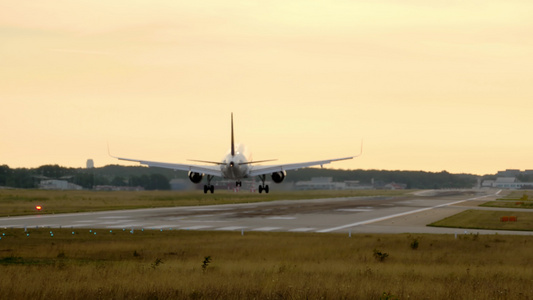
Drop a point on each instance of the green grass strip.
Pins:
(482, 219)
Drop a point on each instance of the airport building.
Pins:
(53, 184)
(90, 164)
(513, 173)
(507, 183)
(117, 188)
(327, 183)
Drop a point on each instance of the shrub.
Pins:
(205, 264)
(156, 263)
(380, 256)
(414, 244)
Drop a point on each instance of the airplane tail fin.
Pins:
(232, 139)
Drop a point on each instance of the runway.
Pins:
(405, 214)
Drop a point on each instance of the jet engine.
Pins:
(278, 177)
(195, 177)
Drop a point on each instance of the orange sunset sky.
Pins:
(429, 85)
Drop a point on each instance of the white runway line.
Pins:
(230, 228)
(161, 227)
(13, 226)
(266, 228)
(400, 214)
(196, 227)
(129, 226)
(48, 226)
(302, 229)
(119, 227)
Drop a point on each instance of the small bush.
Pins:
(414, 244)
(388, 296)
(205, 264)
(156, 263)
(380, 256)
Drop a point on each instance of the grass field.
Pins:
(23, 202)
(515, 199)
(482, 219)
(175, 265)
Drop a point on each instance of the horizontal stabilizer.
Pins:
(207, 162)
(256, 162)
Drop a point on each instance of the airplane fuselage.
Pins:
(236, 166)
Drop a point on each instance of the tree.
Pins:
(119, 181)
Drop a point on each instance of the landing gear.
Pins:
(209, 186)
(238, 184)
(263, 187)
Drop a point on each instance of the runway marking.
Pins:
(76, 226)
(121, 226)
(196, 227)
(301, 229)
(400, 214)
(49, 226)
(130, 225)
(13, 226)
(354, 209)
(230, 228)
(265, 228)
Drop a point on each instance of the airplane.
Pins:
(236, 165)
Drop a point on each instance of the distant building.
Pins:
(327, 183)
(395, 186)
(507, 183)
(513, 173)
(53, 184)
(508, 173)
(117, 188)
(320, 183)
(90, 164)
(487, 183)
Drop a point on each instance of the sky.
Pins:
(427, 85)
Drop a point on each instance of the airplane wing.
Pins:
(208, 170)
(262, 170)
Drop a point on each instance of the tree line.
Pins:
(86, 178)
(158, 179)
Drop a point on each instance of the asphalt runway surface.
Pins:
(403, 214)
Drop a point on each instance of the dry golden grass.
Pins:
(23, 202)
(168, 265)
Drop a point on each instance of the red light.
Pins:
(38, 207)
